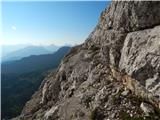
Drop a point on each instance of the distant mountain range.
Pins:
(6, 49)
(21, 78)
(17, 52)
(35, 62)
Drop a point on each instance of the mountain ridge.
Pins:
(112, 75)
(19, 83)
(34, 62)
(27, 51)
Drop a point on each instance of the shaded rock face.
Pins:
(89, 83)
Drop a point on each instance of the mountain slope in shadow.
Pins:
(20, 79)
(35, 62)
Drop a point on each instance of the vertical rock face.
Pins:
(131, 16)
(123, 52)
(140, 58)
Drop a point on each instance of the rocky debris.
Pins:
(125, 93)
(51, 113)
(147, 109)
(44, 92)
(93, 80)
(135, 87)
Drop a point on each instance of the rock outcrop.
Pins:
(113, 74)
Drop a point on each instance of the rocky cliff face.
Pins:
(114, 75)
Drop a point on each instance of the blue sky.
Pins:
(49, 22)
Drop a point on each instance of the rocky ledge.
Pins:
(113, 75)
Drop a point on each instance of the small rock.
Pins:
(125, 93)
(50, 112)
(109, 108)
(147, 108)
(113, 115)
(81, 114)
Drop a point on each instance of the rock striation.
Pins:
(113, 74)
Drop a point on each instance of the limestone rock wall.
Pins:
(84, 87)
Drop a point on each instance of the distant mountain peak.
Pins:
(27, 51)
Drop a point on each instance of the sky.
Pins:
(58, 23)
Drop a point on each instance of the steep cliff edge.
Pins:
(112, 75)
